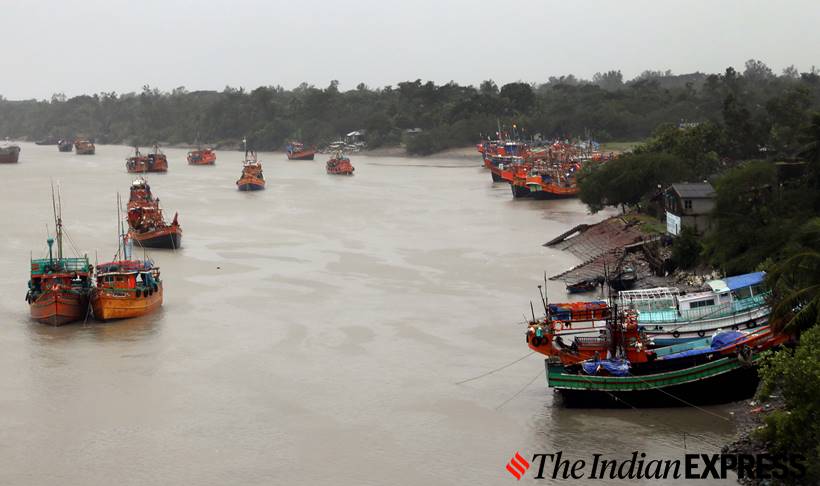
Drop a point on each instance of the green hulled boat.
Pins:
(720, 381)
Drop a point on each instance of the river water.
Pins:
(312, 333)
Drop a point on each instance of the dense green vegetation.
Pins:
(606, 108)
(766, 216)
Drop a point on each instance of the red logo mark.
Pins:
(518, 466)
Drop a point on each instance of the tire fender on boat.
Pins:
(675, 334)
(701, 333)
(139, 293)
(536, 341)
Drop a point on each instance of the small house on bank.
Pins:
(688, 204)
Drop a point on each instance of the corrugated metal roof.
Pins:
(694, 190)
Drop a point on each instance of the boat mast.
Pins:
(57, 207)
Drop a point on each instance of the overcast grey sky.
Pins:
(117, 45)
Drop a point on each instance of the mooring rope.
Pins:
(495, 370)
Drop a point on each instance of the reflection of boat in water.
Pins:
(252, 178)
(65, 145)
(297, 151)
(9, 154)
(84, 147)
(154, 162)
(339, 165)
(147, 226)
(126, 287)
(59, 286)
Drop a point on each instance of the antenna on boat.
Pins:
(532, 309)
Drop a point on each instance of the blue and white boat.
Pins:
(669, 316)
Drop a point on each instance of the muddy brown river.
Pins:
(312, 333)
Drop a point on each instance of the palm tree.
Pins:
(795, 283)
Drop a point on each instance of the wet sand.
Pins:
(312, 333)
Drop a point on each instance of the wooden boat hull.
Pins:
(520, 191)
(108, 305)
(302, 155)
(721, 381)
(65, 147)
(169, 238)
(9, 155)
(59, 308)
(89, 151)
(248, 183)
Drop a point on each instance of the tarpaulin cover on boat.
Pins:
(746, 280)
(568, 311)
(726, 338)
(719, 341)
(615, 367)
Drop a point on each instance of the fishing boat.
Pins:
(297, 151)
(47, 141)
(582, 286)
(670, 316)
(126, 287)
(624, 278)
(153, 162)
(252, 178)
(9, 154)
(65, 145)
(147, 226)
(619, 370)
(84, 147)
(202, 156)
(340, 164)
(550, 180)
(59, 287)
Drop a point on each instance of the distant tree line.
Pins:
(756, 106)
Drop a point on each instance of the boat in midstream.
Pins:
(252, 178)
(59, 286)
(9, 154)
(147, 225)
(202, 156)
(298, 151)
(65, 145)
(153, 162)
(84, 147)
(126, 287)
(339, 164)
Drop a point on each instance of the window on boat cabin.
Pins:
(742, 293)
(701, 303)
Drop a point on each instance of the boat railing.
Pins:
(43, 265)
(704, 313)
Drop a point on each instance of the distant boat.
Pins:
(47, 141)
(587, 285)
(297, 151)
(147, 226)
(9, 154)
(202, 157)
(59, 287)
(339, 165)
(252, 178)
(154, 162)
(65, 145)
(84, 147)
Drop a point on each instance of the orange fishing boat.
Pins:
(59, 287)
(84, 147)
(154, 162)
(252, 178)
(126, 287)
(202, 157)
(297, 151)
(147, 226)
(340, 165)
